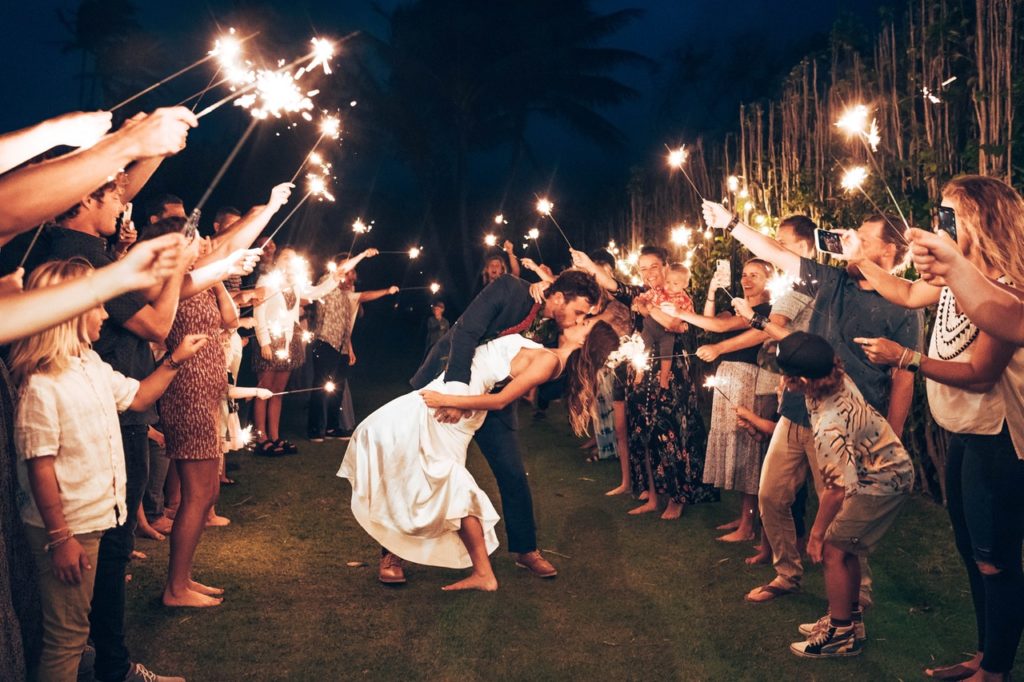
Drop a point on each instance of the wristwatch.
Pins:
(915, 362)
(733, 223)
(758, 322)
(172, 363)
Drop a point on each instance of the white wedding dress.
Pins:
(410, 486)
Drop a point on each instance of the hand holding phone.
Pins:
(947, 221)
(829, 241)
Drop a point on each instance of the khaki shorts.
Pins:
(862, 521)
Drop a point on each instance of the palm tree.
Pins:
(454, 79)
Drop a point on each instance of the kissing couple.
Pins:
(406, 462)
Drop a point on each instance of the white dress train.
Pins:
(410, 486)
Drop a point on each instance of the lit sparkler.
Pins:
(632, 350)
(713, 382)
(329, 387)
(680, 235)
(854, 178)
(491, 240)
(780, 284)
(500, 219)
(307, 336)
(433, 288)
(732, 183)
(546, 208)
(854, 122)
(677, 159)
(323, 51)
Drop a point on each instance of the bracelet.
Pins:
(54, 544)
(58, 531)
(172, 363)
(758, 322)
(734, 222)
(903, 357)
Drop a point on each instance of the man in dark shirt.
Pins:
(844, 307)
(83, 231)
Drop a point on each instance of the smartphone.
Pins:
(829, 241)
(126, 215)
(947, 221)
(724, 268)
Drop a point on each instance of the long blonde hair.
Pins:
(992, 213)
(51, 350)
(582, 374)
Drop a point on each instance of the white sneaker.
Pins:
(832, 642)
(140, 673)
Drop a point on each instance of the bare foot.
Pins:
(737, 536)
(618, 491)
(147, 531)
(763, 556)
(644, 496)
(204, 589)
(162, 525)
(136, 555)
(190, 599)
(484, 583)
(215, 521)
(956, 671)
(650, 506)
(732, 525)
(673, 511)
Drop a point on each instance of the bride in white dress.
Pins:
(410, 488)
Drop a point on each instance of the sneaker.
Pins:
(832, 642)
(316, 439)
(140, 673)
(811, 629)
(339, 433)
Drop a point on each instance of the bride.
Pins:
(410, 488)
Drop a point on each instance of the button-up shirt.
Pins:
(72, 416)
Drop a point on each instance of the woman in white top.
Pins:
(71, 463)
(286, 288)
(974, 386)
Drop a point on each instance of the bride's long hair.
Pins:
(582, 373)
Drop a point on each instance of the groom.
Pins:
(503, 307)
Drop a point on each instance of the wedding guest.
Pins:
(166, 206)
(974, 383)
(667, 437)
(331, 351)
(69, 403)
(867, 476)
(497, 264)
(655, 337)
(437, 325)
(734, 456)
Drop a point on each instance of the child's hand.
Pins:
(69, 560)
(189, 346)
(264, 394)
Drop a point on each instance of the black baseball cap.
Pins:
(806, 355)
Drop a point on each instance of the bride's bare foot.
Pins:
(673, 511)
(647, 508)
(190, 599)
(618, 491)
(737, 536)
(732, 525)
(205, 589)
(484, 583)
(763, 556)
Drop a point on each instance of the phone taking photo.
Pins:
(947, 221)
(829, 241)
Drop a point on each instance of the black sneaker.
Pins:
(832, 642)
(811, 629)
(339, 433)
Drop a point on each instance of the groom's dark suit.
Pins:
(501, 306)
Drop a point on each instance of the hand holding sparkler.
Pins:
(162, 133)
(883, 351)
(12, 283)
(279, 195)
(189, 346)
(329, 387)
(151, 262)
(716, 215)
(708, 352)
(78, 128)
(714, 383)
(743, 308)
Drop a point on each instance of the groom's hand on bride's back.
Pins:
(450, 415)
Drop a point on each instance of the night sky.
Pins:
(738, 51)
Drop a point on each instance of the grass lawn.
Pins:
(636, 598)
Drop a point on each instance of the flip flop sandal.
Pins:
(773, 590)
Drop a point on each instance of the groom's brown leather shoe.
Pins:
(536, 564)
(391, 572)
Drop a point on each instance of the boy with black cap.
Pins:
(867, 475)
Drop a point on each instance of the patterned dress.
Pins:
(296, 357)
(666, 429)
(190, 409)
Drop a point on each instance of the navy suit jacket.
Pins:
(502, 304)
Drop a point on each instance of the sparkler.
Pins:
(330, 127)
(245, 436)
(329, 387)
(854, 122)
(780, 284)
(680, 235)
(227, 49)
(35, 237)
(412, 253)
(194, 217)
(500, 219)
(713, 382)
(632, 350)
(546, 208)
(677, 159)
(490, 240)
(433, 287)
(732, 183)
(316, 187)
(307, 336)
(854, 178)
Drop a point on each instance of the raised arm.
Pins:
(244, 231)
(540, 370)
(902, 292)
(350, 264)
(367, 296)
(583, 262)
(75, 129)
(762, 246)
(70, 177)
(513, 262)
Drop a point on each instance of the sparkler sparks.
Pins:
(359, 227)
(677, 157)
(434, 287)
(323, 51)
(307, 336)
(632, 350)
(780, 284)
(491, 240)
(680, 235)
(281, 354)
(332, 267)
(716, 384)
(317, 187)
(732, 183)
(414, 252)
(245, 436)
(544, 207)
(854, 178)
(854, 120)
(330, 127)
(500, 219)
(534, 233)
(275, 94)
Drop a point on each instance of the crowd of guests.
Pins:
(130, 349)
(123, 374)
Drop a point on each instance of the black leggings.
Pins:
(984, 484)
